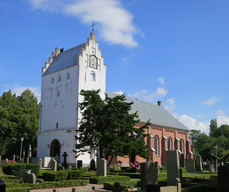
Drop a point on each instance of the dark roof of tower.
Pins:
(157, 114)
(65, 59)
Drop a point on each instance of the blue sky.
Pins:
(175, 51)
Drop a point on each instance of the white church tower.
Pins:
(63, 77)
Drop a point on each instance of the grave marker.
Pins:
(29, 177)
(172, 166)
(92, 164)
(148, 173)
(79, 163)
(223, 178)
(182, 160)
(65, 160)
(198, 163)
(102, 167)
(53, 165)
(190, 165)
(40, 163)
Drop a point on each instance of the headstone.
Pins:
(53, 165)
(60, 167)
(172, 166)
(211, 168)
(223, 178)
(30, 151)
(198, 163)
(92, 164)
(190, 165)
(182, 160)
(22, 172)
(65, 164)
(40, 163)
(148, 173)
(29, 177)
(2, 186)
(14, 157)
(152, 187)
(57, 158)
(47, 161)
(165, 165)
(116, 187)
(102, 167)
(23, 153)
(79, 163)
(28, 160)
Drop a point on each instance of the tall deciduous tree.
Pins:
(213, 128)
(108, 124)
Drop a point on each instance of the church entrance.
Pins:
(55, 148)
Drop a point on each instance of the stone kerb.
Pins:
(190, 165)
(173, 168)
(102, 167)
(148, 174)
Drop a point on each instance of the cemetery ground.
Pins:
(83, 176)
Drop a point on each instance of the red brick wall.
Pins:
(163, 144)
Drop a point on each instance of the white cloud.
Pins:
(211, 101)
(222, 118)
(150, 97)
(115, 23)
(119, 92)
(161, 80)
(19, 89)
(170, 105)
(192, 123)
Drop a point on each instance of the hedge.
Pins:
(14, 168)
(102, 179)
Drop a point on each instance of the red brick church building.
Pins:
(166, 132)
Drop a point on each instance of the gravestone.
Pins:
(47, 161)
(211, 168)
(14, 157)
(28, 160)
(22, 172)
(60, 167)
(40, 163)
(182, 160)
(57, 158)
(172, 166)
(102, 167)
(153, 187)
(53, 165)
(223, 178)
(65, 164)
(29, 177)
(116, 187)
(79, 163)
(2, 186)
(165, 165)
(190, 165)
(92, 164)
(198, 163)
(148, 173)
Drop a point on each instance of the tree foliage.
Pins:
(205, 145)
(19, 117)
(108, 124)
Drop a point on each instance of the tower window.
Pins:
(68, 75)
(58, 93)
(92, 76)
(57, 125)
(59, 78)
(52, 80)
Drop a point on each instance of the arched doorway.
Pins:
(55, 148)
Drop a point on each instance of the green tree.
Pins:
(108, 124)
(9, 111)
(213, 128)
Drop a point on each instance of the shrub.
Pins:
(55, 175)
(10, 161)
(102, 179)
(134, 167)
(14, 168)
(116, 167)
(73, 175)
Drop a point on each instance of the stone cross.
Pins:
(65, 160)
